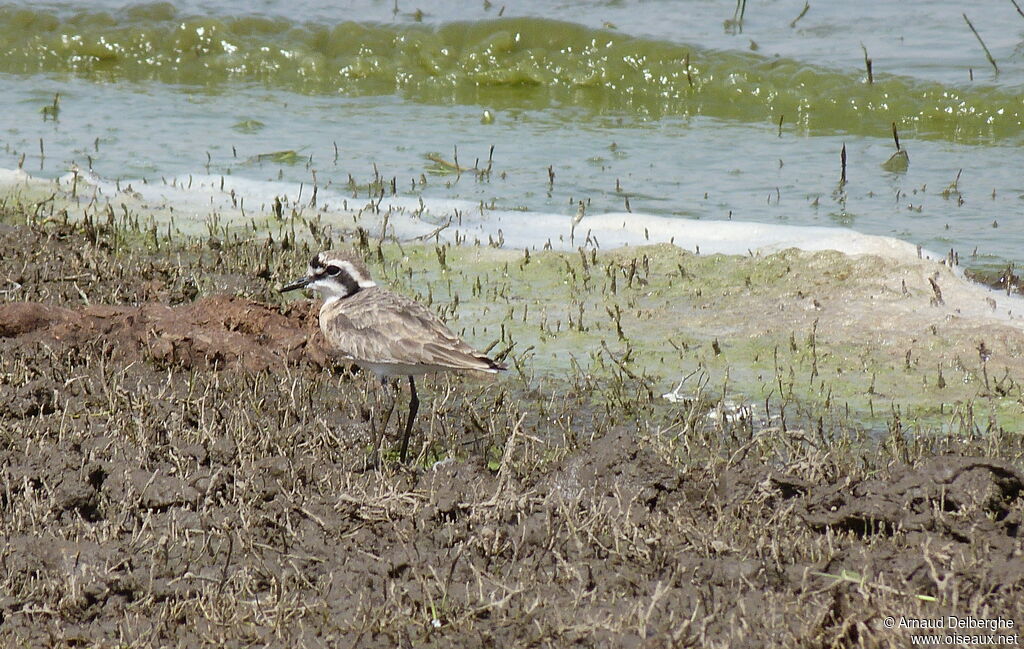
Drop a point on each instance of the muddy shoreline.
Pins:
(182, 467)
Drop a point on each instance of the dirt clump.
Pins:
(972, 491)
(219, 331)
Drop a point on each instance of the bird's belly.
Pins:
(398, 369)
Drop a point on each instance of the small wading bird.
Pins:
(383, 332)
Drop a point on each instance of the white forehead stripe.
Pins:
(364, 282)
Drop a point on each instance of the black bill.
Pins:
(299, 283)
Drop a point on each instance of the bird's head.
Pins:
(334, 274)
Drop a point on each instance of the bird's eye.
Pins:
(333, 270)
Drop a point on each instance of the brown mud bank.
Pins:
(213, 511)
(178, 470)
(214, 332)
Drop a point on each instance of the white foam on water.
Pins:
(12, 177)
(199, 195)
(618, 229)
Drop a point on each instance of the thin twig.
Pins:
(867, 64)
(983, 46)
(807, 6)
(842, 163)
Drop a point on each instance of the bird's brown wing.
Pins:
(378, 326)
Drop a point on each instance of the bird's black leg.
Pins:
(414, 406)
(373, 460)
(394, 393)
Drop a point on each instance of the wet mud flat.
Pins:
(181, 465)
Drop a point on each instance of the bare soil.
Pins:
(180, 467)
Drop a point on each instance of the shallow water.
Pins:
(605, 100)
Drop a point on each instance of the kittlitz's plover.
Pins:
(383, 332)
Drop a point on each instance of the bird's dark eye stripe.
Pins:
(333, 270)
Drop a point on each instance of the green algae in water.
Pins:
(515, 62)
(288, 157)
(898, 162)
(248, 126)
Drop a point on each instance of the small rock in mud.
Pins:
(30, 399)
